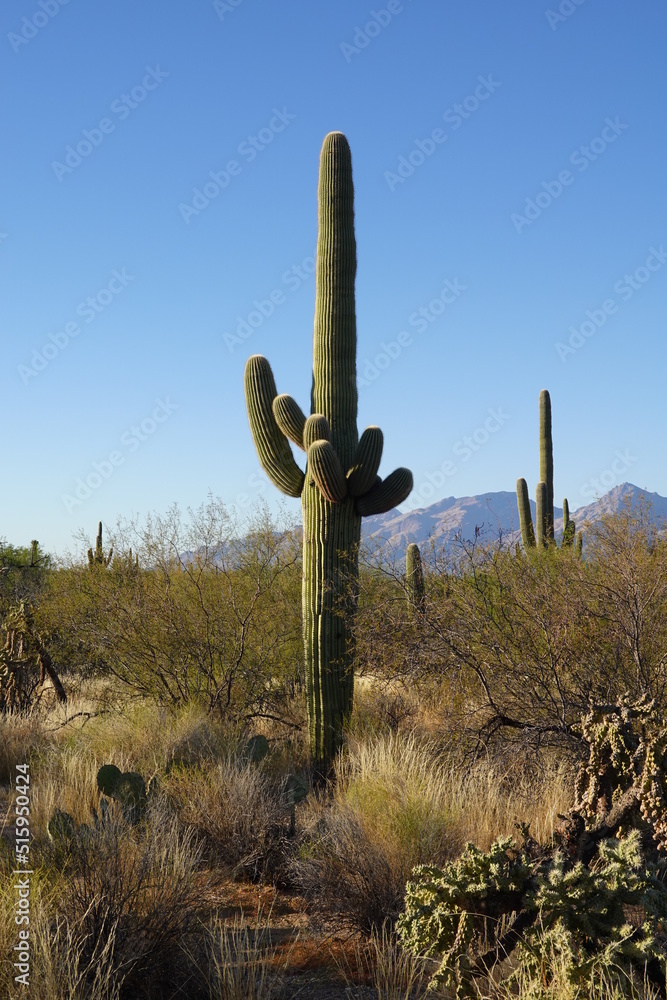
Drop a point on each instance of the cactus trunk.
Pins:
(547, 463)
(525, 519)
(341, 483)
(332, 529)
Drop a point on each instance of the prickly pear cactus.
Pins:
(61, 827)
(127, 788)
(340, 484)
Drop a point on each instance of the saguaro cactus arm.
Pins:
(326, 470)
(366, 462)
(273, 450)
(525, 518)
(290, 418)
(386, 494)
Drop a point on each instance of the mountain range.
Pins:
(490, 513)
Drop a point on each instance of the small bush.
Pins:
(137, 883)
(238, 808)
(240, 963)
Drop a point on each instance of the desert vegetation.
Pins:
(504, 761)
(253, 760)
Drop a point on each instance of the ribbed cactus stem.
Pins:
(290, 418)
(385, 494)
(569, 527)
(98, 558)
(414, 578)
(334, 392)
(326, 470)
(541, 515)
(275, 454)
(336, 460)
(547, 461)
(525, 518)
(361, 476)
(316, 429)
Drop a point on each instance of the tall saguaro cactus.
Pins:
(543, 534)
(98, 558)
(414, 578)
(340, 484)
(547, 464)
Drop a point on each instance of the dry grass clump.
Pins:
(400, 802)
(138, 884)
(240, 810)
(237, 962)
(153, 739)
(21, 736)
(381, 964)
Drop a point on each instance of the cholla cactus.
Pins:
(340, 485)
(626, 772)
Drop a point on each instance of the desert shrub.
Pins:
(381, 963)
(211, 615)
(238, 808)
(139, 884)
(344, 874)
(400, 802)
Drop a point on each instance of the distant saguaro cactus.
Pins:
(340, 485)
(543, 533)
(414, 577)
(97, 558)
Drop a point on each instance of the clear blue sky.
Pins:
(509, 166)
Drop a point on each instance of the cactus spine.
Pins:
(543, 534)
(414, 577)
(341, 483)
